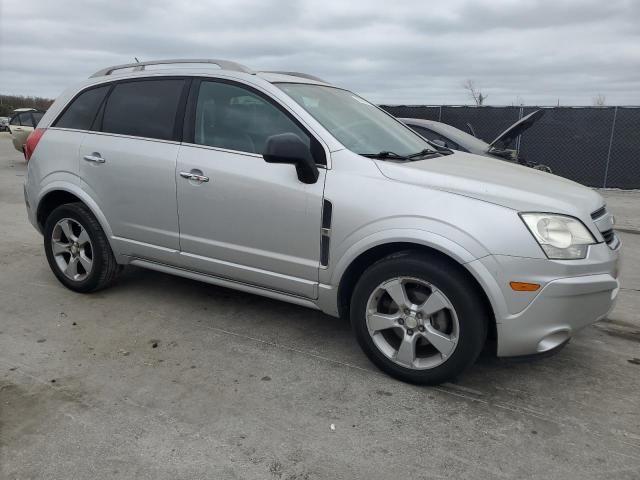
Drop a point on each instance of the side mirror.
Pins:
(289, 148)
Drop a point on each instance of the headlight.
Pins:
(561, 237)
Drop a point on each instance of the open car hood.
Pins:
(516, 129)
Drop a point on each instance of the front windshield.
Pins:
(357, 124)
(461, 137)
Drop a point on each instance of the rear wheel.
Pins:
(418, 317)
(77, 249)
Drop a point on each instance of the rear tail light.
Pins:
(32, 142)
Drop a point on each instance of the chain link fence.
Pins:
(596, 146)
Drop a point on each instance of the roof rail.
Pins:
(297, 74)
(139, 66)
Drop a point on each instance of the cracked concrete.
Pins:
(240, 386)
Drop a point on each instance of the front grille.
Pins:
(599, 213)
(609, 236)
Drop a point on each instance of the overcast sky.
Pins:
(408, 52)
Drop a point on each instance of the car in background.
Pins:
(451, 137)
(22, 123)
(4, 124)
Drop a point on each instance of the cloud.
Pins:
(411, 52)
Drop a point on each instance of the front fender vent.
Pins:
(599, 213)
(325, 238)
(327, 211)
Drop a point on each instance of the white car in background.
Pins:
(22, 123)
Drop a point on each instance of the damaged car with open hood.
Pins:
(502, 146)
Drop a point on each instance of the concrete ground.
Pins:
(164, 378)
(626, 204)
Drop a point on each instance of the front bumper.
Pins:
(574, 294)
(561, 309)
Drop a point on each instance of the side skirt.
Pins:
(222, 282)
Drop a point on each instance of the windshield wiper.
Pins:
(385, 154)
(422, 153)
(440, 148)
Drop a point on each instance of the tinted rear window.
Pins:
(82, 111)
(26, 120)
(143, 109)
(37, 116)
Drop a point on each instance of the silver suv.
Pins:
(280, 184)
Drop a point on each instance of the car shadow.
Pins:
(311, 332)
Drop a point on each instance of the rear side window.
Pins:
(26, 120)
(15, 120)
(145, 108)
(82, 111)
(37, 116)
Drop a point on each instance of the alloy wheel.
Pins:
(72, 249)
(412, 323)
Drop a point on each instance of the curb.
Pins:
(631, 230)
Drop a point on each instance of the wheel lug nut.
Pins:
(406, 311)
(419, 316)
(401, 321)
(409, 332)
(421, 328)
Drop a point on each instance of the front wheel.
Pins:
(418, 317)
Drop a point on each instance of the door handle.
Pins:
(94, 157)
(194, 176)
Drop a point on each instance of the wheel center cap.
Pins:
(410, 321)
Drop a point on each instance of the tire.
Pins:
(95, 265)
(448, 331)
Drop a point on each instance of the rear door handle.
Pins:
(94, 157)
(194, 176)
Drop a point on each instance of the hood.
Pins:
(516, 129)
(495, 181)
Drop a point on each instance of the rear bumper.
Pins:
(573, 295)
(31, 214)
(17, 144)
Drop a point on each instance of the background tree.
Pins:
(476, 94)
(600, 100)
(8, 103)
